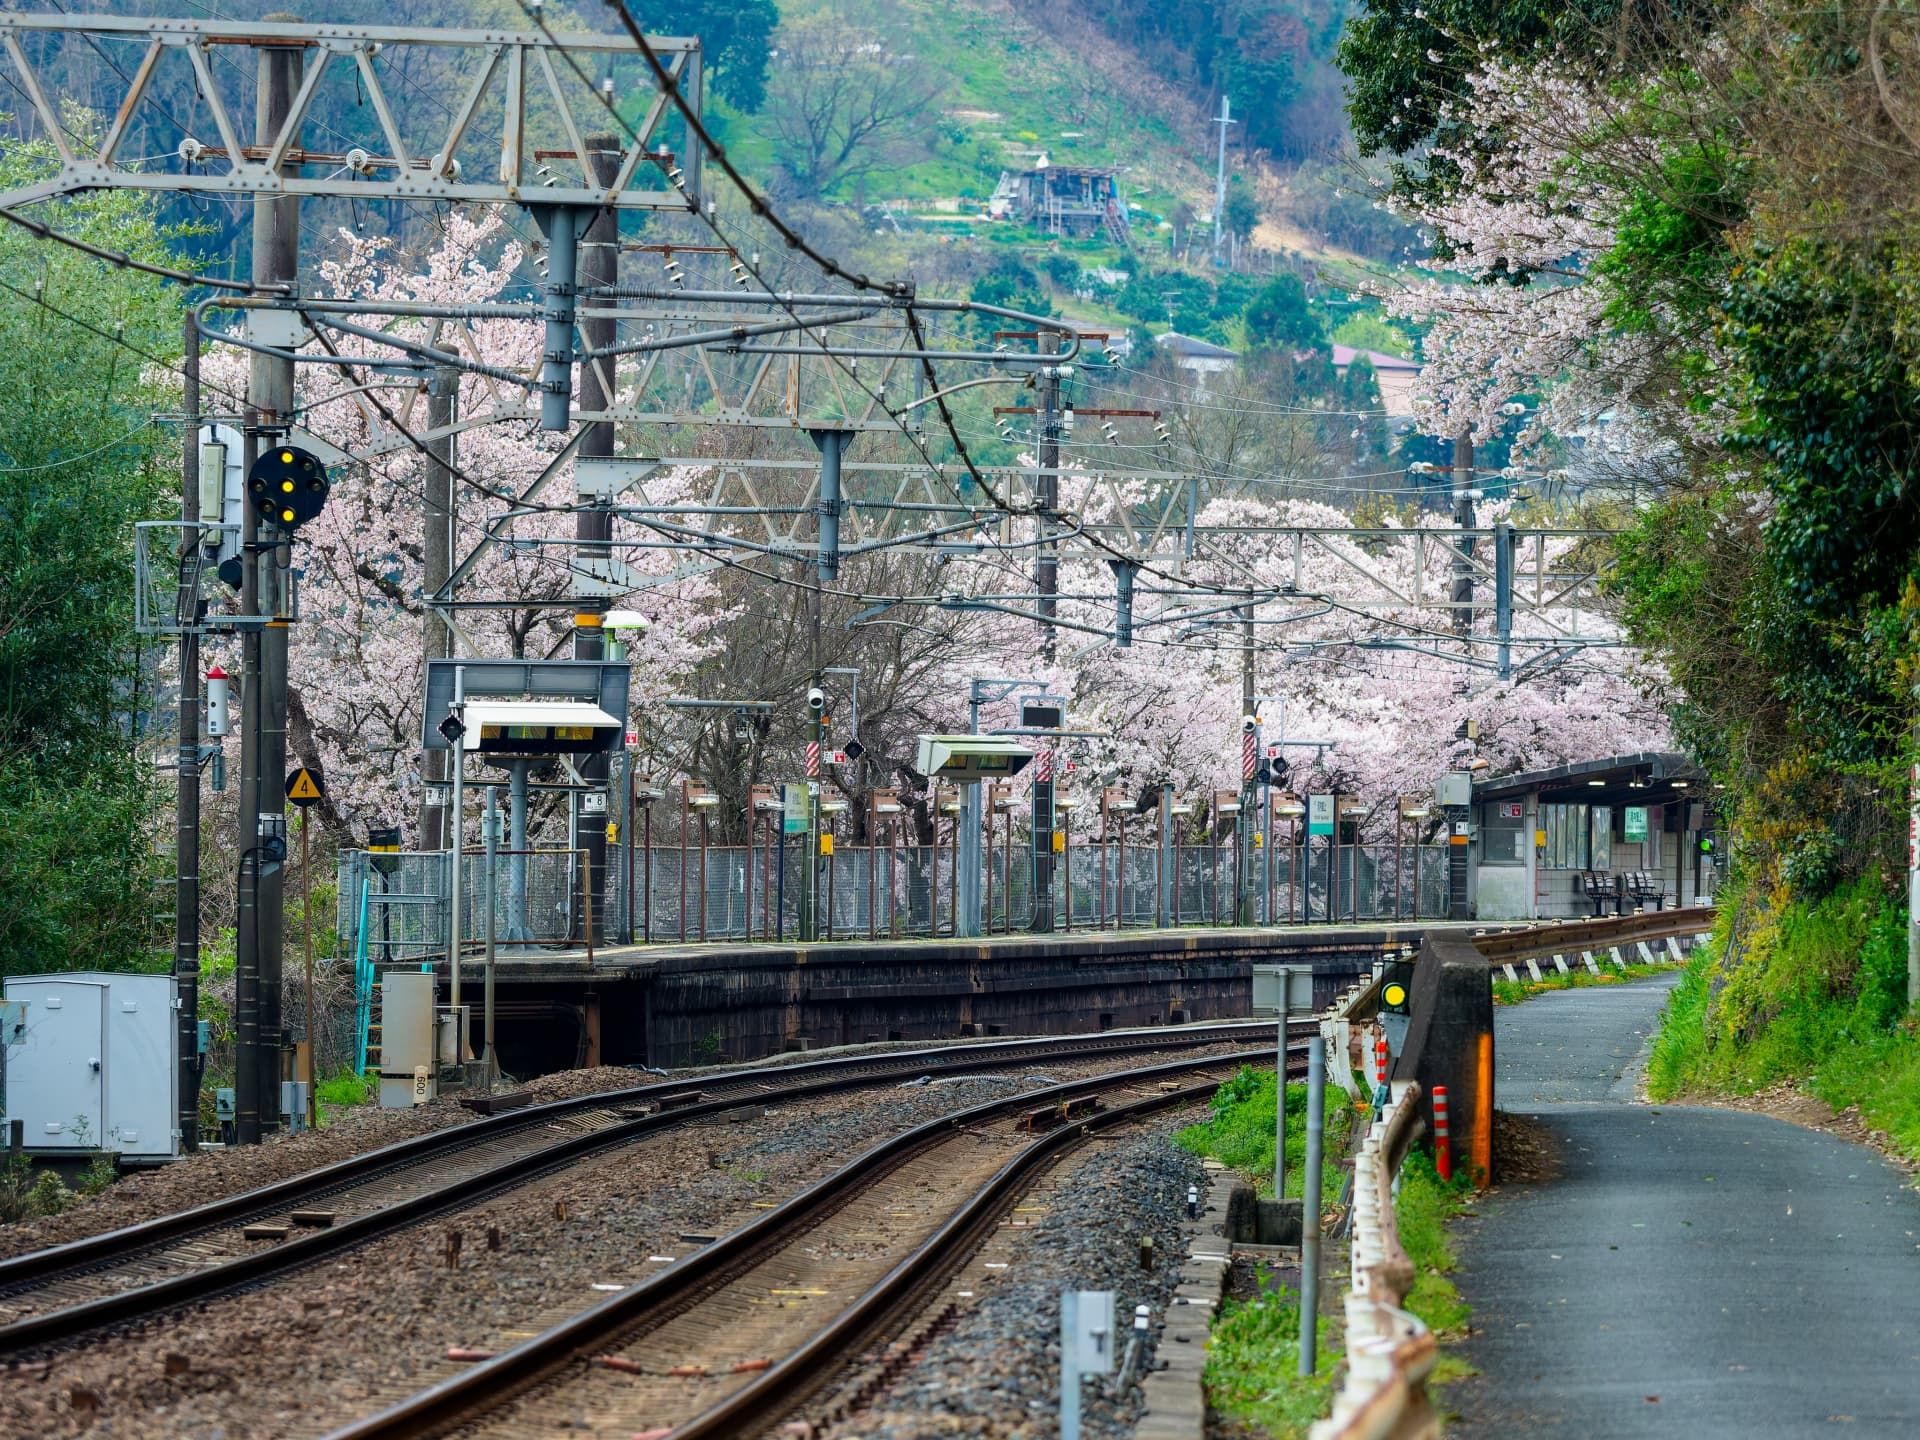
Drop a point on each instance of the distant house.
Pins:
(1072, 200)
(1199, 358)
(1395, 376)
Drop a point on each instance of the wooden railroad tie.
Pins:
(680, 1099)
(1048, 1117)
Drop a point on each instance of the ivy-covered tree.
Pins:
(82, 351)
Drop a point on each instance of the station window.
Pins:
(1503, 833)
(1569, 830)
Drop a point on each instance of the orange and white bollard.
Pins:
(1380, 1057)
(1442, 1141)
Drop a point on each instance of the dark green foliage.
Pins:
(1242, 211)
(1009, 283)
(79, 463)
(1405, 60)
(1832, 407)
(1670, 246)
(1280, 317)
(1186, 303)
(1271, 58)
(735, 36)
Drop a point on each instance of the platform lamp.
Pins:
(1065, 805)
(946, 801)
(1413, 810)
(1226, 809)
(1289, 807)
(763, 807)
(829, 809)
(696, 798)
(1350, 807)
(881, 802)
(1000, 802)
(1177, 810)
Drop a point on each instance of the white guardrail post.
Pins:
(1389, 1352)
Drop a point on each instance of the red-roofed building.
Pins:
(1394, 375)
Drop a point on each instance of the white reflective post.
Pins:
(1086, 1348)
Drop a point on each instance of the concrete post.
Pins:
(1310, 1204)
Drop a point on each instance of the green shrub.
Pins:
(1813, 992)
(1253, 1364)
(48, 1196)
(1240, 1134)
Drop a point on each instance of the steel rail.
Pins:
(793, 1081)
(459, 1401)
(807, 1370)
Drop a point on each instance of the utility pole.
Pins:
(826, 569)
(1046, 578)
(1220, 178)
(258, 942)
(599, 268)
(1461, 593)
(1249, 764)
(186, 849)
(443, 404)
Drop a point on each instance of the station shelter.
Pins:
(1596, 836)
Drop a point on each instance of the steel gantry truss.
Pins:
(516, 137)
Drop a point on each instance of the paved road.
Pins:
(1692, 1272)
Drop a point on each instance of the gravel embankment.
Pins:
(210, 1175)
(215, 1174)
(995, 1375)
(300, 1356)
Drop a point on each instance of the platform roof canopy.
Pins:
(963, 758)
(1651, 777)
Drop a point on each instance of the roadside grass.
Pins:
(1240, 1133)
(1511, 992)
(1815, 995)
(1425, 1204)
(1252, 1374)
(342, 1092)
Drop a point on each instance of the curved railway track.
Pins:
(68, 1290)
(733, 1338)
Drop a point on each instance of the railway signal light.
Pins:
(1396, 988)
(288, 486)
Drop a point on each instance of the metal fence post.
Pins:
(1310, 1205)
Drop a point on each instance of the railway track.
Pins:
(68, 1290)
(735, 1337)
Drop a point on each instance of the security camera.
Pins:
(816, 700)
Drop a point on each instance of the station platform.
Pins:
(690, 1004)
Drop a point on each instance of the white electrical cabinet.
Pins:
(409, 1059)
(94, 1067)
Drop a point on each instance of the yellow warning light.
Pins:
(286, 457)
(1394, 994)
(286, 517)
(287, 486)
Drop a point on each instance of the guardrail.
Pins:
(1390, 1352)
(1556, 937)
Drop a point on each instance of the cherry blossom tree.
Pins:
(356, 658)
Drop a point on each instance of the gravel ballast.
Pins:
(209, 1175)
(345, 1338)
(995, 1373)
